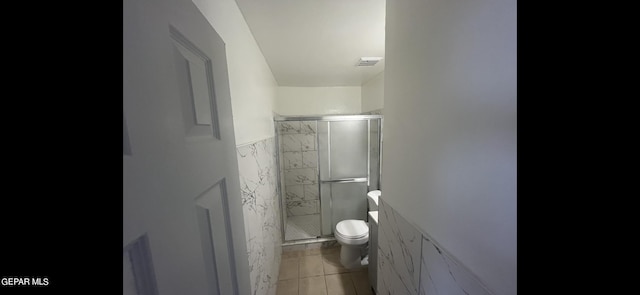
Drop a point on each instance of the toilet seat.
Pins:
(352, 232)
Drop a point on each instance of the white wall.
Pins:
(373, 93)
(253, 87)
(293, 101)
(450, 128)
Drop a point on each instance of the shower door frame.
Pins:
(328, 118)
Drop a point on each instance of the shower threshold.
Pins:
(309, 241)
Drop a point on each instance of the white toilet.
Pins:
(353, 235)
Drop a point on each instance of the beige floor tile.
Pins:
(363, 269)
(332, 265)
(312, 286)
(287, 287)
(358, 269)
(361, 282)
(323, 251)
(292, 254)
(316, 251)
(311, 266)
(340, 284)
(288, 269)
(332, 250)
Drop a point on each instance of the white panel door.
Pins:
(183, 230)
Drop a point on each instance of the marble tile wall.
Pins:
(411, 262)
(258, 181)
(299, 164)
(399, 250)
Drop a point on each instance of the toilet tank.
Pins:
(372, 197)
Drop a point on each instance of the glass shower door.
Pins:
(344, 171)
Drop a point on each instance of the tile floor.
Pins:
(318, 271)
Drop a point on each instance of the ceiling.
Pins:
(318, 42)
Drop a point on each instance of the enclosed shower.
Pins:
(327, 165)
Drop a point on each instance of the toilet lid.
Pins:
(352, 228)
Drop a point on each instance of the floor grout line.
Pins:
(349, 275)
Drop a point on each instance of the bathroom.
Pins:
(445, 96)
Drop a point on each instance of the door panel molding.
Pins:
(212, 211)
(138, 254)
(198, 89)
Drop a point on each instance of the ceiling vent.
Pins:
(368, 61)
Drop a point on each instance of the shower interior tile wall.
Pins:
(300, 167)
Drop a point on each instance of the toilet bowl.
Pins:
(353, 235)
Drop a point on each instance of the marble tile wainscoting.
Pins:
(260, 200)
(410, 262)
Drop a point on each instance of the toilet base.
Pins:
(350, 257)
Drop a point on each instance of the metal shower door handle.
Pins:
(346, 180)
